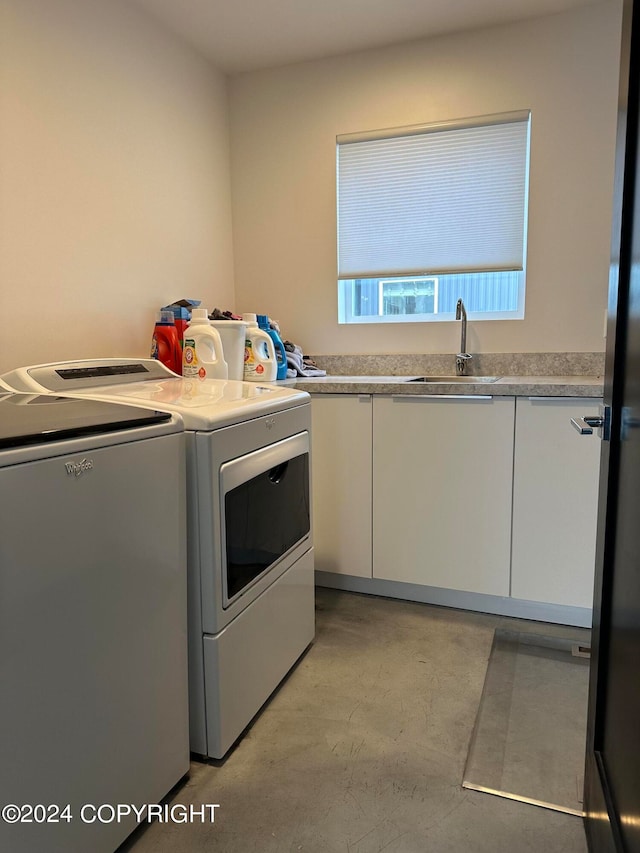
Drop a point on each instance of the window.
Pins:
(430, 214)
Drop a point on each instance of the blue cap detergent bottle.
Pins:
(281, 353)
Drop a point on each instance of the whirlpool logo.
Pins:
(76, 469)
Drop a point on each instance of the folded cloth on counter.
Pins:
(299, 364)
(217, 314)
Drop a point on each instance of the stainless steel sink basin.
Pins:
(446, 379)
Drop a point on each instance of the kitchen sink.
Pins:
(447, 379)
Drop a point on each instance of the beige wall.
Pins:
(115, 190)
(114, 179)
(283, 128)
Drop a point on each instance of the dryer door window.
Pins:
(265, 516)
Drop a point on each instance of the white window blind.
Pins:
(433, 199)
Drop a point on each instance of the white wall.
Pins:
(114, 179)
(283, 128)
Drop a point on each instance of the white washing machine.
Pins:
(250, 554)
(93, 618)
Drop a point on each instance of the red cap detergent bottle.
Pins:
(165, 344)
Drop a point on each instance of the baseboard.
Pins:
(498, 605)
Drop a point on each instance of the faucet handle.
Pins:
(462, 359)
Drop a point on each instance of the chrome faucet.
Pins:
(463, 356)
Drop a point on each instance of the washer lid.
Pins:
(38, 418)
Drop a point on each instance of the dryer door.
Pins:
(264, 501)
(265, 506)
(252, 486)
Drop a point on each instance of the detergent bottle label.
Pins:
(252, 367)
(190, 365)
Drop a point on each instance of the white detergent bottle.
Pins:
(260, 362)
(202, 356)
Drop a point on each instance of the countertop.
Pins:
(505, 386)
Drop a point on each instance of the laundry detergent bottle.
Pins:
(281, 353)
(233, 336)
(202, 355)
(260, 363)
(165, 344)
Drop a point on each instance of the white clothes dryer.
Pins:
(250, 544)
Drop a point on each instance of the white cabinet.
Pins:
(341, 453)
(442, 492)
(555, 502)
(442, 485)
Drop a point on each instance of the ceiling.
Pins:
(247, 35)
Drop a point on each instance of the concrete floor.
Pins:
(363, 748)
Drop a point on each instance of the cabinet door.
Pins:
(555, 502)
(442, 484)
(341, 454)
